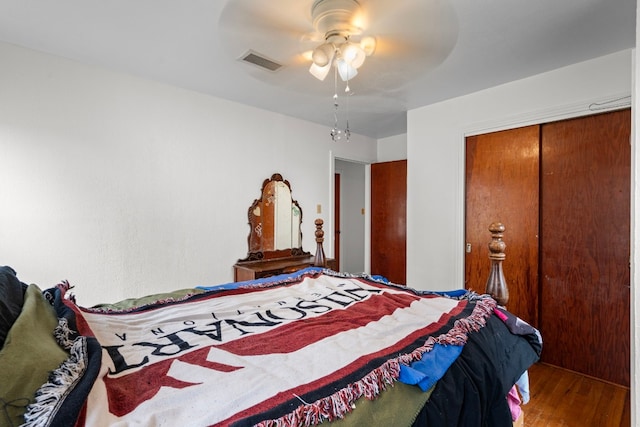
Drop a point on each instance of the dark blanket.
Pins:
(470, 393)
(11, 299)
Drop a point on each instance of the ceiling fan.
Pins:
(297, 39)
(339, 21)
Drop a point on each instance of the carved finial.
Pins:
(496, 284)
(320, 260)
(497, 246)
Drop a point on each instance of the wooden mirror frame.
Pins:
(255, 239)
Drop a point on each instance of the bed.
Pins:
(298, 348)
(440, 358)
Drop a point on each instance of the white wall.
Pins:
(127, 187)
(435, 147)
(392, 148)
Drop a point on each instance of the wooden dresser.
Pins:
(250, 270)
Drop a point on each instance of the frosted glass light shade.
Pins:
(318, 72)
(353, 54)
(323, 54)
(346, 71)
(368, 44)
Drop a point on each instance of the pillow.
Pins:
(29, 354)
(11, 300)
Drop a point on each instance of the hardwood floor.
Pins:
(562, 398)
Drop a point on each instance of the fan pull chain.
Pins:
(336, 133)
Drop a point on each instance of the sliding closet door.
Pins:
(389, 220)
(502, 185)
(585, 229)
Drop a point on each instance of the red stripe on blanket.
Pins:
(148, 381)
(283, 397)
(277, 340)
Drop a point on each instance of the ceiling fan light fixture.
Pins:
(353, 54)
(319, 72)
(323, 54)
(339, 21)
(346, 71)
(368, 45)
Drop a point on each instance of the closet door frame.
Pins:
(617, 372)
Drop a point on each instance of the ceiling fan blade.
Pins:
(272, 28)
(412, 38)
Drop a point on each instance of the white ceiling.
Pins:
(428, 50)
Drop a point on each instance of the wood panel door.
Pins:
(389, 220)
(502, 182)
(585, 245)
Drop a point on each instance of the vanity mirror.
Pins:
(275, 234)
(275, 220)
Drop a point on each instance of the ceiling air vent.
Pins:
(261, 61)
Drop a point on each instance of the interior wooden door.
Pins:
(502, 182)
(389, 220)
(585, 245)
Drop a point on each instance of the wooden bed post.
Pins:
(496, 284)
(320, 260)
